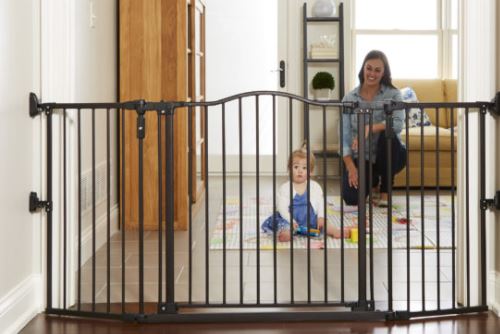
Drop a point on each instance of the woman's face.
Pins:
(373, 72)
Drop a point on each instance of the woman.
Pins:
(375, 85)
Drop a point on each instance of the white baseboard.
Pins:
(21, 304)
(494, 291)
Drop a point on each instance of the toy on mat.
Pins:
(302, 230)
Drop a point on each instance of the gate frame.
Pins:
(168, 312)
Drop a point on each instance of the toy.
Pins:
(302, 230)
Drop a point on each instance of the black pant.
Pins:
(379, 169)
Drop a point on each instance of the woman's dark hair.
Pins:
(386, 78)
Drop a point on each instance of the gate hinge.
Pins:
(491, 203)
(170, 308)
(35, 203)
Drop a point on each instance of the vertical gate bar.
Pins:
(191, 126)
(482, 173)
(325, 227)
(422, 206)
(224, 203)
(453, 189)
(258, 194)
(49, 213)
(94, 213)
(122, 225)
(341, 135)
(240, 143)
(168, 193)
(65, 220)
(275, 261)
(207, 226)
(437, 216)
(290, 112)
(308, 187)
(467, 222)
(407, 141)
(389, 132)
(160, 204)
(370, 204)
(141, 129)
(169, 228)
(108, 211)
(79, 157)
(361, 210)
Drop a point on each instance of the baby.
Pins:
(297, 166)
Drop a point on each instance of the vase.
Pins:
(323, 8)
(322, 94)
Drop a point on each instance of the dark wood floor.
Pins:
(476, 323)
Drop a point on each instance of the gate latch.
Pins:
(35, 203)
(491, 202)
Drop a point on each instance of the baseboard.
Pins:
(101, 230)
(494, 288)
(21, 304)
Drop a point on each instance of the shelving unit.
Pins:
(334, 65)
(339, 60)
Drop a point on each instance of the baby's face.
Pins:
(299, 170)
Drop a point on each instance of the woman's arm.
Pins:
(352, 171)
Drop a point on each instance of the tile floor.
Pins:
(247, 262)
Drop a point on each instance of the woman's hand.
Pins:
(353, 176)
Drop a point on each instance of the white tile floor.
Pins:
(249, 267)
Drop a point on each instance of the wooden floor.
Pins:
(476, 323)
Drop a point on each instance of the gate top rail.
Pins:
(36, 107)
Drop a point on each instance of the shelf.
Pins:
(323, 19)
(323, 60)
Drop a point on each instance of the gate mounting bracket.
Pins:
(495, 105)
(35, 203)
(489, 203)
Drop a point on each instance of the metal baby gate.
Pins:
(223, 268)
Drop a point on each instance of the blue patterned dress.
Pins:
(299, 214)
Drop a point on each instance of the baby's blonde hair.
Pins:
(301, 154)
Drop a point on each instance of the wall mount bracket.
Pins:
(35, 203)
(491, 203)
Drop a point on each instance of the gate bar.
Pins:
(49, 213)
(361, 213)
(482, 172)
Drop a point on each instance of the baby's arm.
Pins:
(283, 201)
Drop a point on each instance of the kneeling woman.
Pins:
(375, 86)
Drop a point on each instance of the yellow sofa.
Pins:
(431, 91)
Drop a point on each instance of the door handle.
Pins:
(282, 73)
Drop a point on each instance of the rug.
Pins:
(418, 227)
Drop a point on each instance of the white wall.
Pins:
(478, 63)
(53, 52)
(81, 61)
(19, 237)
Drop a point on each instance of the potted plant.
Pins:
(323, 83)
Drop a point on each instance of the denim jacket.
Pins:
(350, 121)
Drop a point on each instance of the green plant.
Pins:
(323, 80)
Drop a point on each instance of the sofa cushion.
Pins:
(427, 90)
(429, 142)
(416, 116)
